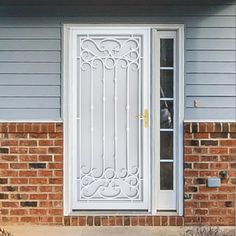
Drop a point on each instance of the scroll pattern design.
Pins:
(110, 182)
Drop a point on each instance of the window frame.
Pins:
(177, 33)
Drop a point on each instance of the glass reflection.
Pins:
(166, 115)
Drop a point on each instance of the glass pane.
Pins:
(166, 177)
(167, 50)
(166, 115)
(166, 145)
(166, 83)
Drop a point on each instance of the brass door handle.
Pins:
(144, 117)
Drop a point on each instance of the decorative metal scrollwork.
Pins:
(110, 182)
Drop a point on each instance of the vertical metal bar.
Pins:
(127, 118)
(139, 109)
(91, 117)
(103, 116)
(115, 116)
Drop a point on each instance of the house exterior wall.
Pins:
(31, 86)
(31, 82)
(31, 182)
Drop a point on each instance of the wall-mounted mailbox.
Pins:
(213, 182)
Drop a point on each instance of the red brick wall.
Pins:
(31, 177)
(209, 150)
(31, 173)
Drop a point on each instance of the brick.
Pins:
(156, 221)
(200, 150)
(220, 165)
(201, 166)
(19, 181)
(191, 143)
(229, 204)
(209, 142)
(38, 150)
(27, 143)
(55, 150)
(18, 212)
(219, 135)
(149, 220)
(27, 173)
(119, 221)
(37, 165)
(82, 221)
(228, 142)
(201, 136)
(126, 221)
(8, 157)
(10, 188)
(90, 221)
(218, 150)
(4, 196)
(4, 150)
(112, 220)
(164, 220)
(104, 220)
(134, 220)
(141, 220)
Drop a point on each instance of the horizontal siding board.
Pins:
(37, 68)
(30, 56)
(30, 79)
(211, 102)
(29, 91)
(29, 44)
(210, 33)
(210, 79)
(29, 22)
(33, 102)
(193, 21)
(210, 44)
(210, 113)
(210, 67)
(214, 56)
(211, 90)
(223, 10)
(30, 114)
(30, 33)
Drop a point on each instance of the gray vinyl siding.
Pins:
(30, 56)
(30, 69)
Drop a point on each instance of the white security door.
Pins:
(109, 80)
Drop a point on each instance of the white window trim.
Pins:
(68, 146)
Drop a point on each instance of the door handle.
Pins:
(144, 117)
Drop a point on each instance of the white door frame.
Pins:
(68, 126)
